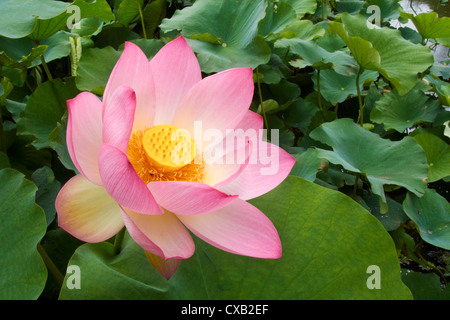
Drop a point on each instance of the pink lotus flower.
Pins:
(121, 147)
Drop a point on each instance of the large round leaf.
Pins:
(96, 64)
(40, 19)
(45, 107)
(105, 275)
(329, 242)
(227, 31)
(438, 155)
(362, 151)
(430, 26)
(216, 17)
(401, 112)
(128, 11)
(390, 220)
(95, 68)
(48, 188)
(18, 18)
(214, 57)
(432, 215)
(302, 7)
(336, 88)
(314, 55)
(425, 286)
(383, 50)
(276, 18)
(22, 271)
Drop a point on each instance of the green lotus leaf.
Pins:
(276, 18)
(361, 151)
(44, 109)
(311, 54)
(25, 61)
(431, 26)
(302, 7)
(94, 69)
(41, 19)
(129, 11)
(215, 57)
(400, 112)
(425, 286)
(18, 18)
(399, 60)
(336, 88)
(437, 152)
(216, 17)
(22, 270)
(431, 213)
(239, 46)
(323, 258)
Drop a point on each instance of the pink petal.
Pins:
(175, 70)
(166, 268)
(84, 134)
(118, 118)
(133, 70)
(86, 211)
(188, 198)
(220, 172)
(269, 165)
(251, 120)
(231, 160)
(238, 228)
(163, 235)
(122, 182)
(218, 102)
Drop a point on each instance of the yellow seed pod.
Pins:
(168, 148)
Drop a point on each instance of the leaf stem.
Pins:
(323, 9)
(319, 96)
(318, 91)
(261, 102)
(2, 132)
(431, 265)
(361, 106)
(286, 55)
(355, 187)
(412, 8)
(46, 69)
(142, 21)
(2, 135)
(118, 241)
(51, 267)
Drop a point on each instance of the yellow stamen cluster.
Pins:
(164, 153)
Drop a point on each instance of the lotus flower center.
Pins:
(168, 147)
(150, 152)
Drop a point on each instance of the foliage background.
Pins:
(364, 110)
